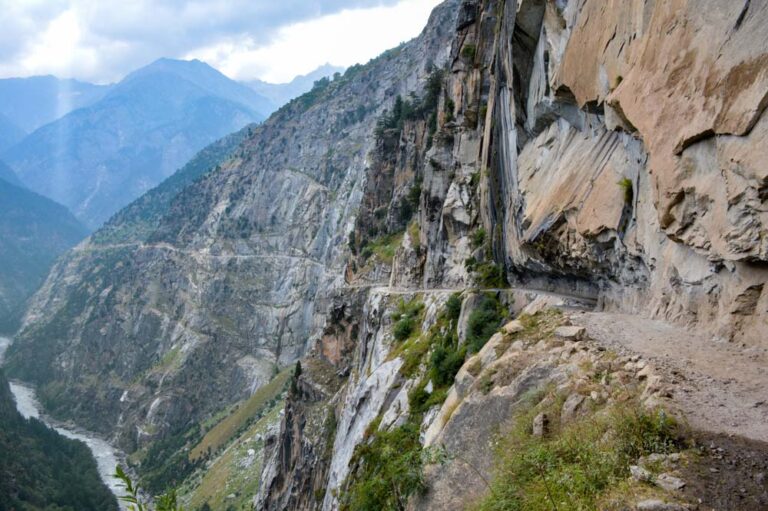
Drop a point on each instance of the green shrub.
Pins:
(483, 322)
(626, 184)
(445, 362)
(490, 274)
(453, 307)
(405, 318)
(389, 469)
(469, 51)
(403, 328)
(478, 238)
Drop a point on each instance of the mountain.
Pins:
(10, 134)
(8, 175)
(221, 290)
(97, 159)
(499, 265)
(281, 93)
(35, 231)
(42, 470)
(29, 103)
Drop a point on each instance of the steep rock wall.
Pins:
(608, 150)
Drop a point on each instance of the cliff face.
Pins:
(540, 154)
(601, 152)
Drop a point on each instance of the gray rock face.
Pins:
(587, 178)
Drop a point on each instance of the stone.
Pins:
(541, 425)
(513, 327)
(658, 505)
(571, 406)
(640, 474)
(670, 482)
(572, 333)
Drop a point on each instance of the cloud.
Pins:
(343, 39)
(102, 41)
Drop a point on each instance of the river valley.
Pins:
(28, 406)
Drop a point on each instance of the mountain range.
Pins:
(96, 148)
(517, 262)
(281, 93)
(34, 232)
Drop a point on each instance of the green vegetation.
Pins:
(241, 418)
(383, 247)
(626, 184)
(34, 232)
(406, 317)
(165, 502)
(453, 306)
(166, 463)
(578, 465)
(478, 237)
(226, 474)
(42, 470)
(413, 109)
(390, 470)
(450, 108)
(490, 274)
(484, 321)
(469, 51)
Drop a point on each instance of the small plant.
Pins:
(453, 307)
(450, 108)
(491, 275)
(405, 318)
(626, 184)
(469, 51)
(403, 329)
(478, 238)
(483, 322)
(165, 502)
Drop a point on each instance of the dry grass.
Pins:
(225, 430)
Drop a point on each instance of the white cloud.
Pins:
(342, 39)
(101, 41)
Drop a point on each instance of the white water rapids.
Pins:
(28, 406)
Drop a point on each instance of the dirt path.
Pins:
(720, 387)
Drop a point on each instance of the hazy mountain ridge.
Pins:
(30, 103)
(281, 93)
(99, 158)
(34, 232)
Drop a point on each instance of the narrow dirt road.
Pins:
(720, 387)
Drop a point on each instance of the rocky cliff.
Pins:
(517, 162)
(606, 152)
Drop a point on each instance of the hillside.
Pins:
(520, 258)
(35, 231)
(42, 470)
(97, 159)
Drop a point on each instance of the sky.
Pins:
(101, 41)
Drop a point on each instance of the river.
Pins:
(28, 406)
